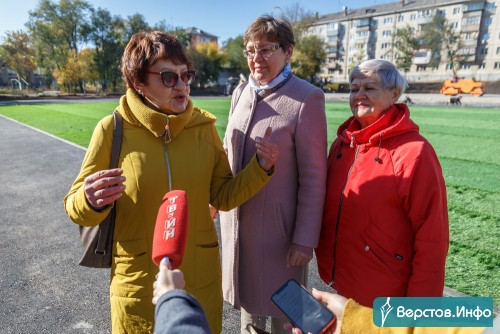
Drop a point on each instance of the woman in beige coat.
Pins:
(270, 238)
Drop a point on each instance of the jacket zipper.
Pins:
(167, 138)
(340, 209)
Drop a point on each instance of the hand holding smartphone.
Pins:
(302, 309)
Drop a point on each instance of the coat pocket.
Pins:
(280, 220)
(208, 268)
(395, 255)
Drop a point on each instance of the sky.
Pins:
(222, 18)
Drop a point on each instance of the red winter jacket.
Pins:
(385, 222)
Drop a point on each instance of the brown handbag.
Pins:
(97, 240)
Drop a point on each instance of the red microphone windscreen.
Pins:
(171, 228)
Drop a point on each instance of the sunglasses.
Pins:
(170, 79)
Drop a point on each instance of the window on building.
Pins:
(488, 21)
(484, 51)
(413, 17)
(471, 21)
(490, 5)
(421, 68)
(498, 50)
(401, 18)
(454, 25)
(388, 20)
(466, 66)
(456, 10)
(468, 35)
(332, 26)
(386, 33)
(486, 37)
(482, 66)
(475, 6)
(496, 65)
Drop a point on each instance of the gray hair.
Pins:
(386, 73)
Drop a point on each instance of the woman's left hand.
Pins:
(298, 255)
(267, 151)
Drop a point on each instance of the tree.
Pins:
(18, 54)
(441, 38)
(134, 24)
(58, 31)
(89, 71)
(106, 34)
(299, 18)
(404, 44)
(181, 35)
(207, 61)
(308, 57)
(309, 52)
(70, 75)
(233, 50)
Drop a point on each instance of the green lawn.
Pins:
(465, 139)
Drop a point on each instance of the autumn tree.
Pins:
(57, 30)
(18, 54)
(207, 61)
(308, 57)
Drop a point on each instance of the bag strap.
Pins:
(117, 140)
(107, 227)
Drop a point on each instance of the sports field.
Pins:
(466, 141)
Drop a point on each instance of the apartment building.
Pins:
(354, 35)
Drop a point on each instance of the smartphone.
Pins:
(302, 309)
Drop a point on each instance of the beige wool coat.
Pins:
(258, 234)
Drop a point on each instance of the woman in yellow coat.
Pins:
(160, 128)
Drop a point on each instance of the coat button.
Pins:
(367, 248)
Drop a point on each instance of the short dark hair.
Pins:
(276, 30)
(147, 47)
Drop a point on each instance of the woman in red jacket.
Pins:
(385, 222)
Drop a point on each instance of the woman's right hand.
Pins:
(104, 187)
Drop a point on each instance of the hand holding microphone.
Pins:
(167, 280)
(171, 228)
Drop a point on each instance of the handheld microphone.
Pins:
(171, 228)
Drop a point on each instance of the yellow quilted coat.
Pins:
(199, 166)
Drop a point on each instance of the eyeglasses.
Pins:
(170, 79)
(264, 53)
